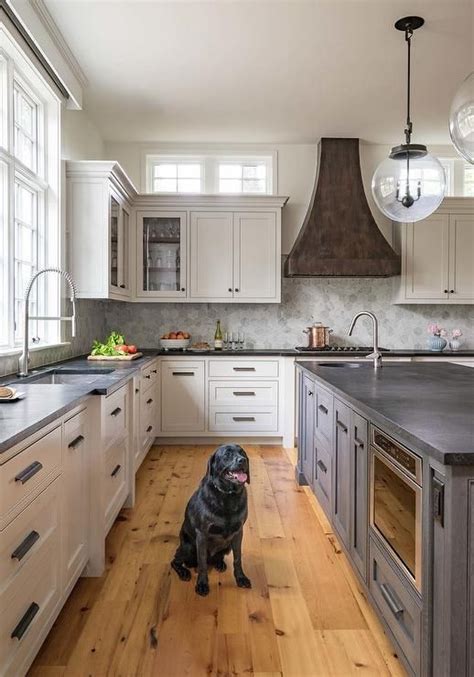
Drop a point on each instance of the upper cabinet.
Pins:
(438, 256)
(99, 209)
(162, 248)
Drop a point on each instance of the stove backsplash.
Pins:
(304, 301)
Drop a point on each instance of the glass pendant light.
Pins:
(461, 119)
(409, 185)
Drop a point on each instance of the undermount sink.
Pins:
(339, 364)
(67, 376)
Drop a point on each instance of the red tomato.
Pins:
(132, 349)
(123, 348)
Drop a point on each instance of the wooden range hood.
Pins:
(339, 236)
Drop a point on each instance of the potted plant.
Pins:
(455, 343)
(436, 339)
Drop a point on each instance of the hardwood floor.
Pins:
(305, 614)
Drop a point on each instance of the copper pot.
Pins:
(318, 335)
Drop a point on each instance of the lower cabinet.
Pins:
(359, 492)
(183, 397)
(307, 439)
(322, 477)
(342, 480)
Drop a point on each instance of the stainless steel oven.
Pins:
(395, 501)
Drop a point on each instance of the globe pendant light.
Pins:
(409, 185)
(461, 119)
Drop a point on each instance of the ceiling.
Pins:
(266, 70)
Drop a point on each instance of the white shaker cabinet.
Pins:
(182, 396)
(438, 256)
(211, 256)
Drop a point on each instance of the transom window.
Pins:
(210, 173)
(29, 188)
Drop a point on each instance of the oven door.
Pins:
(395, 513)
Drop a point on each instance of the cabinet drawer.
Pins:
(243, 393)
(115, 413)
(27, 604)
(243, 421)
(149, 376)
(397, 606)
(23, 476)
(28, 533)
(322, 474)
(324, 414)
(115, 480)
(243, 368)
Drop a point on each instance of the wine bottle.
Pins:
(218, 336)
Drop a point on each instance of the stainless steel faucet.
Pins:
(25, 357)
(376, 355)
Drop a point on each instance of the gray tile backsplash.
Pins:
(331, 301)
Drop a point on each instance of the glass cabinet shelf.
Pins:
(162, 245)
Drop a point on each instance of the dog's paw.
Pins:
(243, 582)
(183, 573)
(202, 588)
(220, 566)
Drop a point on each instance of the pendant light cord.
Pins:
(409, 127)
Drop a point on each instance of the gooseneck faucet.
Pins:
(25, 357)
(376, 355)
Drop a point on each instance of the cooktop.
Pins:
(340, 349)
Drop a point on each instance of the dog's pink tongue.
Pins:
(241, 476)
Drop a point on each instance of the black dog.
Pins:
(214, 519)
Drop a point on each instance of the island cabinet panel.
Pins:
(359, 492)
(322, 475)
(323, 421)
(342, 471)
(307, 442)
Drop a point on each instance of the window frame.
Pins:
(18, 72)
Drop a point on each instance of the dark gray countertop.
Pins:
(428, 406)
(45, 403)
(292, 352)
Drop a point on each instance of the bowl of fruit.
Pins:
(175, 340)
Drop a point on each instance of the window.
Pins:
(468, 180)
(29, 187)
(210, 173)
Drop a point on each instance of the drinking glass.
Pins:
(233, 340)
(225, 340)
(241, 340)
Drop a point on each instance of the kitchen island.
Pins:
(390, 456)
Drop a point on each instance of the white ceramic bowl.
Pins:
(174, 344)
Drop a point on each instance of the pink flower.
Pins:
(456, 333)
(433, 329)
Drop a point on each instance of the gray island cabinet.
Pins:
(390, 458)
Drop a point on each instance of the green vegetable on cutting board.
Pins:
(112, 345)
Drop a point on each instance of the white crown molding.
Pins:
(55, 34)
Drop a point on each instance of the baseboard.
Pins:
(190, 441)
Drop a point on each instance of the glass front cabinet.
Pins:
(119, 254)
(161, 254)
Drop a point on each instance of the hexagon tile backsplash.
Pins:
(332, 301)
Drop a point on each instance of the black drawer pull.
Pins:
(155, 371)
(149, 429)
(148, 376)
(341, 425)
(310, 393)
(149, 400)
(122, 286)
(116, 411)
(322, 466)
(25, 545)
(76, 442)
(392, 603)
(322, 408)
(115, 470)
(25, 622)
(243, 368)
(243, 393)
(183, 373)
(358, 442)
(241, 419)
(28, 472)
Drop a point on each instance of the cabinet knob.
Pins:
(451, 291)
(183, 289)
(446, 291)
(230, 289)
(310, 392)
(236, 289)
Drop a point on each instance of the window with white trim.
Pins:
(210, 173)
(29, 195)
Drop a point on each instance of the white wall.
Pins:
(81, 140)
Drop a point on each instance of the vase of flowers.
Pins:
(436, 339)
(455, 343)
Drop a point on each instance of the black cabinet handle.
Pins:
(137, 390)
(341, 425)
(122, 286)
(236, 289)
(322, 466)
(116, 411)
(25, 622)
(392, 603)
(183, 289)
(76, 442)
(155, 371)
(25, 546)
(451, 291)
(243, 393)
(183, 373)
(230, 289)
(242, 419)
(243, 368)
(149, 400)
(310, 393)
(28, 472)
(149, 429)
(148, 376)
(446, 291)
(322, 408)
(115, 470)
(358, 442)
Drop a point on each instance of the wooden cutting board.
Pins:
(118, 358)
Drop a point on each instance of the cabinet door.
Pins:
(307, 424)
(359, 496)
(256, 256)
(161, 255)
(182, 401)
(114, 218)
(426, 261)
(124, 251)
(342, 472)
(461, 264)
(75, 497)
(211, 261)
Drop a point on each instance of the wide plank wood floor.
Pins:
(305, 614)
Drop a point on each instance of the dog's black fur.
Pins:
(214, 519)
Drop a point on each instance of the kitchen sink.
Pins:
(67, 376)
(351, 365)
